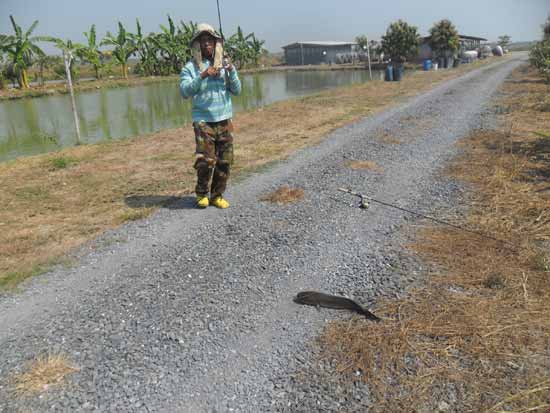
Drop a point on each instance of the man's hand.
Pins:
(210, 72)
(227, 65)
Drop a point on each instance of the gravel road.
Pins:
(192, 310)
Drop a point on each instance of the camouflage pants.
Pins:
(214, 156)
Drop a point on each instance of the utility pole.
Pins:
(367, 47)
(368, 57)
(67, 57)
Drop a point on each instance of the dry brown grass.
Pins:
(477, 336)
(284, 195)
(50, 206)
(368, 165)
(42, 374)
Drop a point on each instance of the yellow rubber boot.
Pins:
(202, 201)
(219, 202)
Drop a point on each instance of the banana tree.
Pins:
(3, 42)
(124, 47)
(69, 48)
(145, 53)
(90, 52)
(187, 32)
(21, 49)
(256, 48)
(44, 62)
(238, 48)
(171, 46)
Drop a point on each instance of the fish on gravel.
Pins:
(317, 299)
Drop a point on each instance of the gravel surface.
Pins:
(192, 310)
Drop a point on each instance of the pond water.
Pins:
(38, 125)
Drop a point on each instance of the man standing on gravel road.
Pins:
(209, 80)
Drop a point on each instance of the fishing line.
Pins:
(365, 205)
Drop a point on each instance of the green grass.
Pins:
(11, 280)
(62, 162)
(32, 193)
(134, 214)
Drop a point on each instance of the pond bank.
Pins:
(93, 84)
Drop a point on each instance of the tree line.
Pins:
(158, 54)
(402, 40)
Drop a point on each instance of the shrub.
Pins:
(444, 38)
(400, 41)
(539, 57)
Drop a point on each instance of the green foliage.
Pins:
(444, 38)
(68, 48)
(172, 44)
(400, 41)
(21, 50)
(504, 41)
(148, 57)
(362, 41)
(161, 53)
(46, 62)
(546, 29)
(539, 57)
(124, 47)
(62, 162)
(244, 50)
(2, 69)
(90, 53)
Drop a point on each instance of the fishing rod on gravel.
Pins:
(365, 204)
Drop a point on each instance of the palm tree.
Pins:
(21, 49)
(124, 47)
(90, 53)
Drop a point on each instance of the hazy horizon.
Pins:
(283, 22)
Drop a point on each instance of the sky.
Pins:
(281, 22)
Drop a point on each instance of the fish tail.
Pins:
(370, 316)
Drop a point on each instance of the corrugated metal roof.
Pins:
(462, 36)
(314, 43)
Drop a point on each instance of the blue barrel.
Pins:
(427, 64)
(397, 73)
(389, 73)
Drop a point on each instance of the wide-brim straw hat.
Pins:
(205, 28)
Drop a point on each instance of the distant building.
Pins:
(315, 53)
(466, 43)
